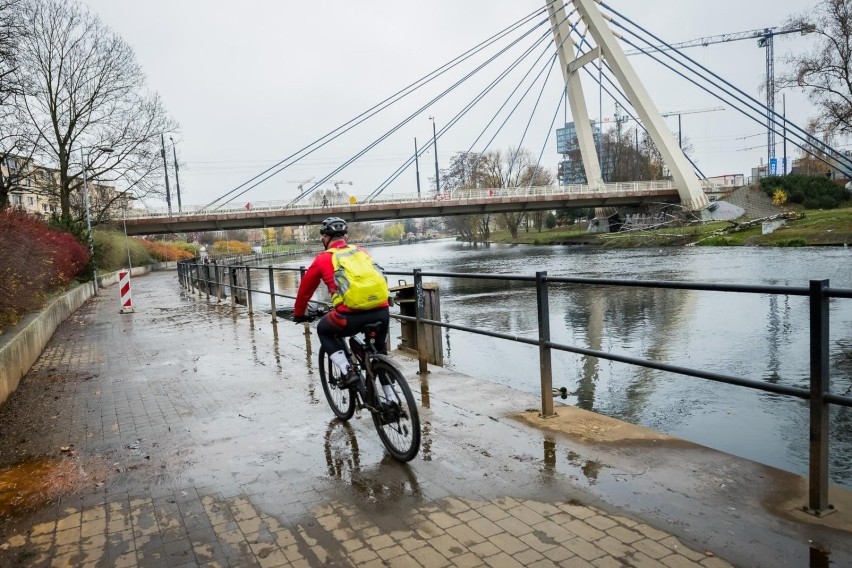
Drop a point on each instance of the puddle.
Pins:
(31, 484)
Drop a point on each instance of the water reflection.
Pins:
(276, 352)
(747, 335)
(819, 558)
(380, 486)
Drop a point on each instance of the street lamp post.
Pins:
(85, 160)
(435, 147)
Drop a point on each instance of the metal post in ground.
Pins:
(818, 458)
(218, 282)
(420, 309)
(248, 290)
(544, 355)
(232, 284)
(272, 293)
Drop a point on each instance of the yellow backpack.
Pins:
(361, 284)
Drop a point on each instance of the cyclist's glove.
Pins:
(301, 319)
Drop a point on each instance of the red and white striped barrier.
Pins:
(124, 290)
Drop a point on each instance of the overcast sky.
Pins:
(252, 82)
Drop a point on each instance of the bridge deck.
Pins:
(402, 206)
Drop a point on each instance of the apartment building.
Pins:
(33, 187)
(35, 190)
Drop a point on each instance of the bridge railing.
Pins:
(458, 195)
(220, 280)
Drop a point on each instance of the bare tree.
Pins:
(14, 151)
(87, 94)
(826, 72)
(515, 168)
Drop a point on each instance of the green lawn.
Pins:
(818, 227)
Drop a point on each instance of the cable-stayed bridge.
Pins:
(527, 75)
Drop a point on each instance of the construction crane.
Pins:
(301, 182)
(338, 183)
(764, 38)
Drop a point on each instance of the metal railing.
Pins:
(818, 293)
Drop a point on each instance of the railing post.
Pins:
(207, 279)
(218, 282)
(248, 290)
(420, 309)
(197, 279)
(272, 293)
(544, 356)
(818, 462)
(232, 285)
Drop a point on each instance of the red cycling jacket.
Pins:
(321, 270)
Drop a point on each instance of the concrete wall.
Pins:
(21, 345)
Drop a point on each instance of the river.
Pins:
(756, 336)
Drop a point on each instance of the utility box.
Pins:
(406, 299)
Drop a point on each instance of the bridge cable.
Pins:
(624, 97)
(410, 160)
(470, 105)
(791, 136)
(326, 138)
(762, 109)
(411, 116)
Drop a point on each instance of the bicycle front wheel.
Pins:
(341, 400)
(396, 417)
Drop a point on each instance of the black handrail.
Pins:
(818, 293)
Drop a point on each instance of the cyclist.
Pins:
(359, 294)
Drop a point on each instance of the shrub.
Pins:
(111, 251)
(812, 192)
(231, 247)
(164, 252)
(34, 261)
(779, 197)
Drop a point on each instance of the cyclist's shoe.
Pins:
(350, 379)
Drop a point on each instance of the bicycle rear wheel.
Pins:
(341, 401)
(396, 418)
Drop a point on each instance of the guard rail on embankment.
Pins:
(236, 280)
(22, 344)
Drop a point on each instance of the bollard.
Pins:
(544, 355)
(124, 292)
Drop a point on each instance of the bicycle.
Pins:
(393, 409)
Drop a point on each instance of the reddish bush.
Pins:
(34, 260)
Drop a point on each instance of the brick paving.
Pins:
(197, 439)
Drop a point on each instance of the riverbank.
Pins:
(832, 227)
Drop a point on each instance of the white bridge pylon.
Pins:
(607, 48)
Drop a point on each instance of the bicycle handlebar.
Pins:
(313, 313)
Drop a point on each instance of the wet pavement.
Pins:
(189, 433)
